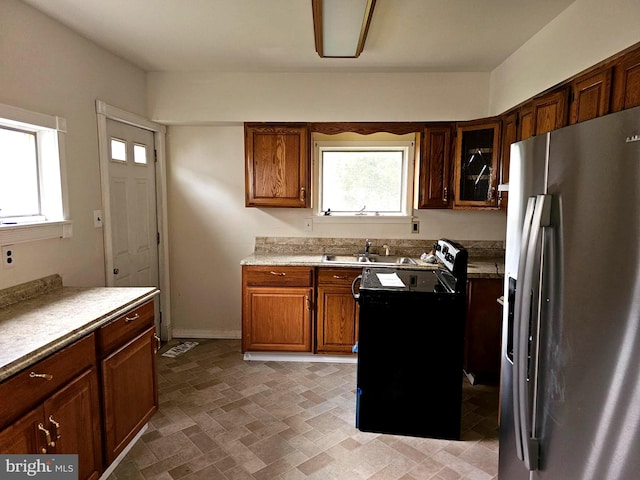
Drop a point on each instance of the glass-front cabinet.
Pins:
(476, 165)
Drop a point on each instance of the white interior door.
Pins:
(132, 206)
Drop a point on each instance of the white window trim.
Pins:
(320, 217)
(39, 230)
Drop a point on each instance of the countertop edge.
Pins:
(480, 267)
(62, 341)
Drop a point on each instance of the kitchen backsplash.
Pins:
(404, 247)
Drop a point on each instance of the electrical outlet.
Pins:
(415, 226)
(308, 225)
(8, 257)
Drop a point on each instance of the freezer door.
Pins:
(588, 402)
(527, 179)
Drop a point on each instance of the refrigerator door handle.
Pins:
(541, 218)
(526, 230)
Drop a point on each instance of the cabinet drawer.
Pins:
(278, 276)
(124, 328)
(337, 276)
(23, 391)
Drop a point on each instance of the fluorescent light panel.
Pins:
(341, 26)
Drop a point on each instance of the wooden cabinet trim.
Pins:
(365, 128)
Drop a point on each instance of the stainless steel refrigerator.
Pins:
(570, 383)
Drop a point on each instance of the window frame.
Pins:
(402, 143)
(51, 159)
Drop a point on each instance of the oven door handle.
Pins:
(356, 296)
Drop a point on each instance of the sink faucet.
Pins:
(367, 246)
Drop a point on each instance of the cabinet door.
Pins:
(509, 136)
(590, 96)
(476, 165)
(483, 330)
(337, 321)
(277, 166)
(526, 123)
(129, 393)
(626, 86)
(23, 435)
(72, 415)
(435, 167)
(550, 111)
(277, 319)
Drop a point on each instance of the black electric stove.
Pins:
(410, 347)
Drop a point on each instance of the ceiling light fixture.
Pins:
(341, 26)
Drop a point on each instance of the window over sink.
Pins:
(363, 178)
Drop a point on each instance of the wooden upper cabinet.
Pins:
(543, 114)
(590, 96)
(277, 165)
(626, 81)
(476, 164)
(509, 136)
(526, 122)
(550, 111)
(434, 190)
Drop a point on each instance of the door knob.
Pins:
(116, 271)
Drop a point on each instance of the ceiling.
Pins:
(277, 35)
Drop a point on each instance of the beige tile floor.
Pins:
(222, 418)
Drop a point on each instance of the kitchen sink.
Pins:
(360, 258)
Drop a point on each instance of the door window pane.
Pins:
(118, 150)
(140, 154)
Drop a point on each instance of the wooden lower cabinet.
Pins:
(129, 388)
(483, 330)
(337, 311)
(66, 420)
(54, 406)
(277, 308)
(278, 319)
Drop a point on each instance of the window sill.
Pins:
(360, 219)
(10, 234)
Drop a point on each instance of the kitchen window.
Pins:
(32, 190)
(364, 180)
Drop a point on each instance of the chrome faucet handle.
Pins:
(367, 246)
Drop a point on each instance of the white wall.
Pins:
(211, 230)
(206, 98)
(47, 68)
(586, 33)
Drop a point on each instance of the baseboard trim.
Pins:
(297, 357)
(204, 333)
(123, 454)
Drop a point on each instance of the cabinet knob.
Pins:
(445, 197)
(303, 194)
(279, 274)
(308, 302)
(46, 376)
(131, 319)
